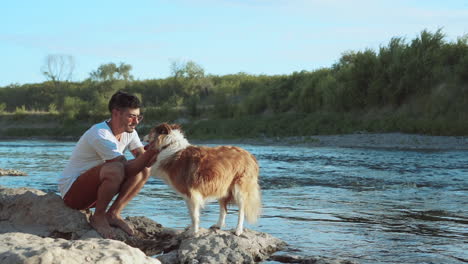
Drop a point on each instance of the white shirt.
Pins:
(97, 145)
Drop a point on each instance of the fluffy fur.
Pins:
(226, 173)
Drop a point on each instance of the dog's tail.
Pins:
(253, 204)
(252, 196)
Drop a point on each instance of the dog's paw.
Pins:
(190, 231)
(238, 232)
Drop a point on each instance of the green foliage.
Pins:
(20, 110)
(222, 107)
(164, 113)
(192, 106)
(112, 72)
(188, 70)
(412, 86)
(355, 73)
(73, 107)
(52, 109)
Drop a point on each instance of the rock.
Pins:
(309, 260)
(152, 238)
(4, 172)
(51, 230)
(209, 246)
(35, 212)
(37, 227)
(218, 246)
(27, 248)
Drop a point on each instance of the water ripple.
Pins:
(374, 206)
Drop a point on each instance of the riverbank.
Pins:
(232, 132)
(361, 140)
(269, 126)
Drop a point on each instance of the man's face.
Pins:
(130, 118)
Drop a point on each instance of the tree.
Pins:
(112, 72)
(189, 78)
(58, 68)
(189, 69)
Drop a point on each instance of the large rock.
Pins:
(217, 246)
(36, 212)
(27, 248)
(37, 227)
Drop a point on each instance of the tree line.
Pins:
(425, 78)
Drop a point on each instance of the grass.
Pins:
(302, 126)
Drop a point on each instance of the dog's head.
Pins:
(158, 134)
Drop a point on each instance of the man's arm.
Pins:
(118, 159)
(137, 152)
(143, 159)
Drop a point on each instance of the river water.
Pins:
(369, 205)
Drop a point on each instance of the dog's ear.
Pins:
(163, 129)
(150, 137)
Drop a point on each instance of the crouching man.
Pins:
(98, 170)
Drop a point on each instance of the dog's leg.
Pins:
(193, 203)
(222, 214)
(240, 221)
(240, 202)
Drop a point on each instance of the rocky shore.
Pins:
(36, 227)
(390, 141)
(359, 140)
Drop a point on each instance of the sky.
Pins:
(223, 36)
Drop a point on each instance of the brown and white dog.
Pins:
(226, 173)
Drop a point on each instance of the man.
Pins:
(98, 170)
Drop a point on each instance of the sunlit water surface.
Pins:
(373, 206)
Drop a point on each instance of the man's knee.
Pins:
(113, 171)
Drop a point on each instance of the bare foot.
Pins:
(101, 225)
(118, 221)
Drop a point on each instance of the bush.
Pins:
(72, 107)
(20, 112)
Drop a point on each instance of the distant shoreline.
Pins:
(362, 140)
(400, 141)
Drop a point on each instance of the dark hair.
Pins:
(123, 100)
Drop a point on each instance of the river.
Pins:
(369, 205)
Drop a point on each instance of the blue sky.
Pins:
(223, 36)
